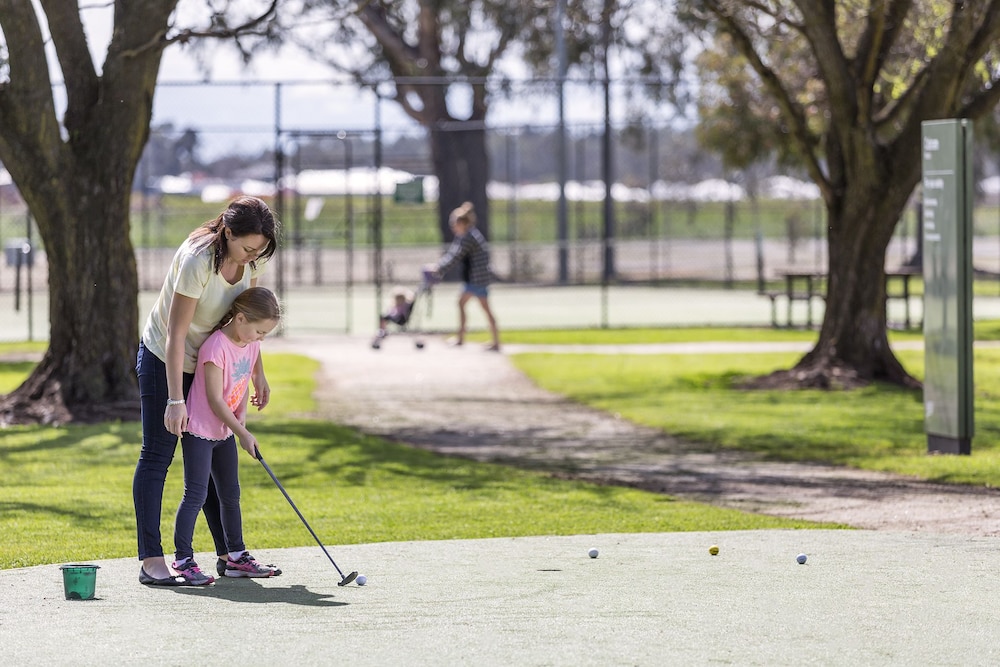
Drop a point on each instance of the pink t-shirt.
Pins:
(236, 363)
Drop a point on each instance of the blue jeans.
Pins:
(209, 461)
(158, 446)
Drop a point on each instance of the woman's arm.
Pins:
(175, 417)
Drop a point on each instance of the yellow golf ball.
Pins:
(714, 550)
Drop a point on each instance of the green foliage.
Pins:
(643, 336)
(699, 398)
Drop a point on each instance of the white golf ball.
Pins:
(362, 580)
(593, 552)
(801, 559)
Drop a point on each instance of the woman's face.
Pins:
(245, 249)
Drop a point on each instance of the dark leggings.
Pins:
(208, 461)
(158, 446)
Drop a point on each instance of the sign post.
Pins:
(947, 249)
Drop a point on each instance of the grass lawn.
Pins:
(695, 397)
(66, 492)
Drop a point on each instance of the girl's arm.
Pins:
(175, 417)
(216, 401)
(261, 389)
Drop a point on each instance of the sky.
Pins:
(240, 111)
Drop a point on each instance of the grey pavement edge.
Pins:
(862, 598)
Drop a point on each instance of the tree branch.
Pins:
(819, 18)
(221, 30)
(801, 136)
(393, 45)
(29, 128)
(882, 29)
(70, 40)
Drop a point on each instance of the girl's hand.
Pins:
(249, 443)
(262, 393)
(175, 419)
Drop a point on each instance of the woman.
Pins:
(471, 249)
(218, 261)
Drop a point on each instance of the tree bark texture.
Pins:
(423, 84)
(75, 174)
(462, 165)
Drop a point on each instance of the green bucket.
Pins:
(79, 581)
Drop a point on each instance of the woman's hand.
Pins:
(175, 419)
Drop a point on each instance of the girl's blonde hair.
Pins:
(256, 304)
(465, 213)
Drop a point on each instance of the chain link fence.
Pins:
(358, 204)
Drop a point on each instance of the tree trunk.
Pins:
(853, 347)
(88, 371)
(76, 177)
(461, 164)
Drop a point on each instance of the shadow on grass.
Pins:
(83, 514)
(322, 439)
(103, 438)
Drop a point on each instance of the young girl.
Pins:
(217, 407)
(471, 249)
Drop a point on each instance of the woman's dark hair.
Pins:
(256, 304)
(245, 215)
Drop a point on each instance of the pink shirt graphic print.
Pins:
(236, 363)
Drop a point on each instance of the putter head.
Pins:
(348, 579)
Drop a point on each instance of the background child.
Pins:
(399, 313)
(471, 249)
(217, 406)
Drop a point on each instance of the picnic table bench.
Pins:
(801, 286)
(804, 286)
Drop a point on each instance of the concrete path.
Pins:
(471, 403)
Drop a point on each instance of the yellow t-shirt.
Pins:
(191, 274)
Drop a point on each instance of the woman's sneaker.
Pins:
(193, 574)
(246, 566)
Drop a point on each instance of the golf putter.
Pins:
(343, 580)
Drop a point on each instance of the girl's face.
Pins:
(459, 227)
(243, 331)
(245, 249)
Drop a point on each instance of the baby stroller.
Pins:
(405, 314)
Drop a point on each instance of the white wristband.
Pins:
(175, 401)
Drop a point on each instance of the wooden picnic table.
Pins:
(799, 286)
(804, 286)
